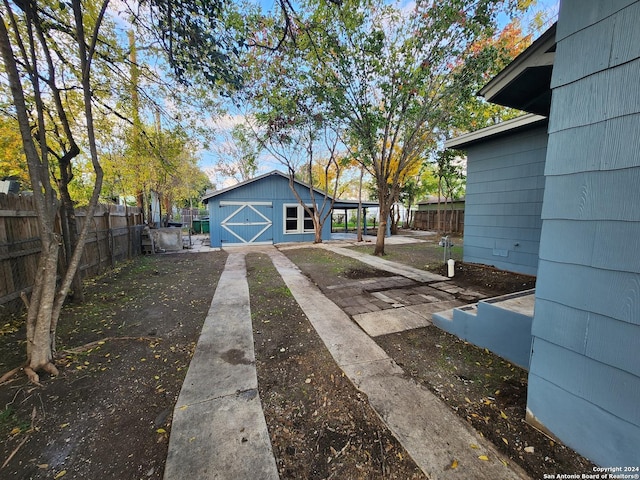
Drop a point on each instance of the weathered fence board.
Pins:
(114, 236)
(428, 220)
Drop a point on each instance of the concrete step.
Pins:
(471, 309)
(501, 324)
(520, 302)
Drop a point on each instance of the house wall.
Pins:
(272, 188)
(584, 381)
(505, 187)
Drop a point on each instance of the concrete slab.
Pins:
(218, 428)
(383, 297)
(382, 264)
(221, 438)
(521, 302)
(388, 321)
(431, 433)
(351, 238)
(384, 322)
(427, 309)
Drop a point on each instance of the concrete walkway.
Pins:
(219, 430)
(431, 433)
(382, 264)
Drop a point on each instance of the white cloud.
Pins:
(227, 122)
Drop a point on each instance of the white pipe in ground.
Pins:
(451, 270)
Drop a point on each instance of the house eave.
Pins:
(349, 204)
(525, 121)
(524, 84)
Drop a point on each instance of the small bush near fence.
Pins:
(114, 235)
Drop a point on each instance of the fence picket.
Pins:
(113, 236)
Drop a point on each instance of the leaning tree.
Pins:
(50, 48)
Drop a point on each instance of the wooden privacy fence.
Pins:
(114, 235)
(428, 220)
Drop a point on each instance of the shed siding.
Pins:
(584, 381)
(505, 185)
(272, 188)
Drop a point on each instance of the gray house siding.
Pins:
(505, 186)
(257, 207)
(584, 381)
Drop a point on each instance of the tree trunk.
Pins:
(451, 216)
(385, 210)
(440, 226)
(394, 219)
(382, 231)
(40, 339)
(140, 205)
(359, 216)
(70, 233)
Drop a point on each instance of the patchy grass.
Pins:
(425, 255)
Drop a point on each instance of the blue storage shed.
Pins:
(264, 210)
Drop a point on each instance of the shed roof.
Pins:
(337, 203)
(434, 200)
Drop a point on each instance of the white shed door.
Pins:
(246, 222)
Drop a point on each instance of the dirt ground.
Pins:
(108, 414)
(487, 391)
(320, 425)
(126, 350)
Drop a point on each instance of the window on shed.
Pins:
(291, 219)
(297, 219)
(308, 220)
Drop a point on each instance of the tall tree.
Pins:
(309, 150)
(238, 154)
(472, 112)
(392, 77)
(291, 126)
(31, 36)
(13, 163)
(28, 56)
